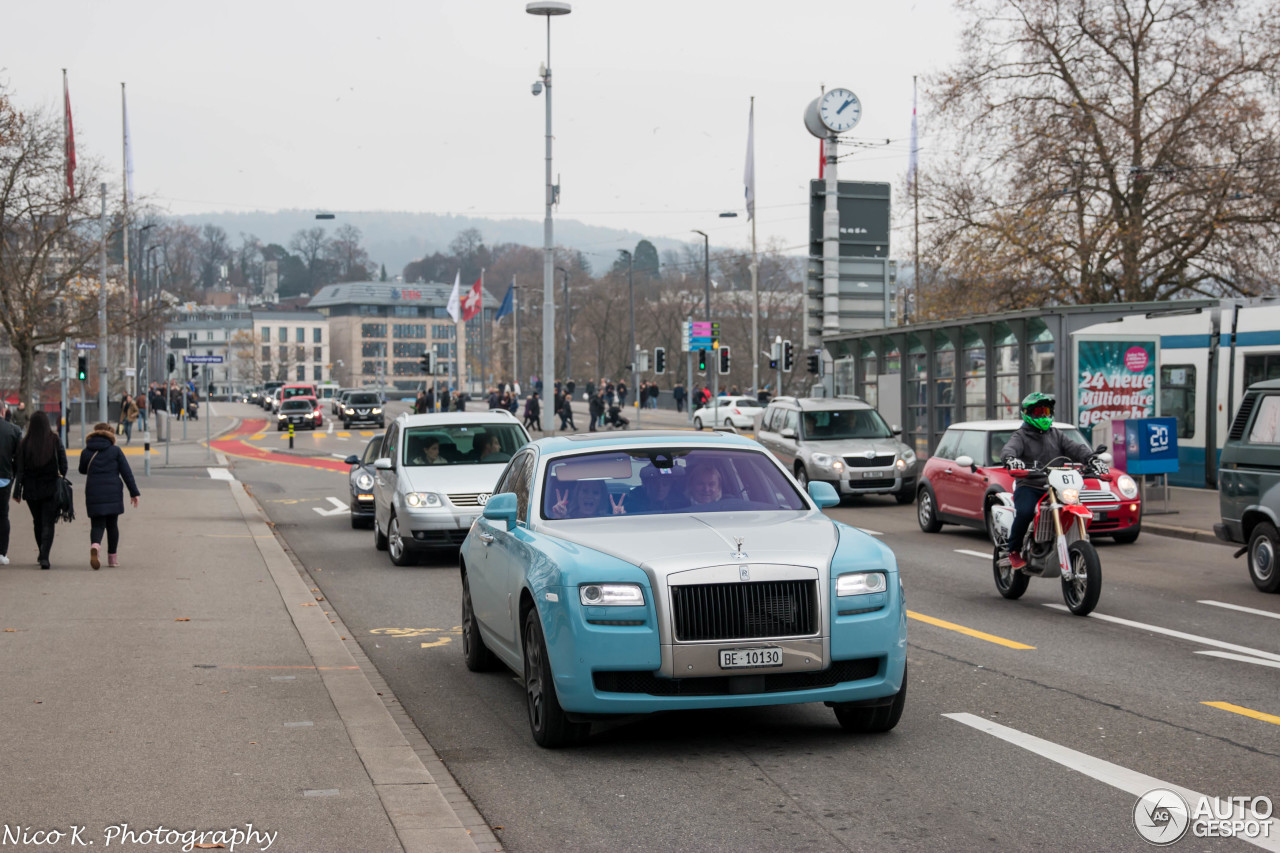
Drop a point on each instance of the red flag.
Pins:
(70, 141)
(471, 302)
(822, 158)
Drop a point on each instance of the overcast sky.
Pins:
(426, 106)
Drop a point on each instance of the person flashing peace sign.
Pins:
(587, 499)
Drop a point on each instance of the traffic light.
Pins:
(815, 363)
(82, 368)
(788, 357)
(724, 360)
(427, 362)
(659, 360)
(195, 371)
(702, 361)
(172, 362)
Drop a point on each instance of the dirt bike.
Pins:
(1057, 541)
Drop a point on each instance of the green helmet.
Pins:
(1037, 410)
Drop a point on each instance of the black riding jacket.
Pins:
(1037, 449)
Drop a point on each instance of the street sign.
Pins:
(178, 343)
(202, 359)
(86, 345)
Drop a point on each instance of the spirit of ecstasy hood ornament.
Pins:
(738, 555)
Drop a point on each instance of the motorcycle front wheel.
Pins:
(1010, 583)
(1082, 590)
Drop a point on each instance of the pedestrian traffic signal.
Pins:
(773, 364)
(788, 357)
(172, 362)
(195, 371)
(659, 360)
(82, 368)
(815, 363)
(724, 360)
(702, 361)
(427, 362)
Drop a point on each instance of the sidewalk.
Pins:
(1192, 514)
(201, 686)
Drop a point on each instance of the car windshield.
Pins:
(664, 481)
(1000, 437)
(362, 399)
(844, 424)
(297, 392)
(462, 444)
(295, 406)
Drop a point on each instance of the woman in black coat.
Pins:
(104, 467)
(41, 463)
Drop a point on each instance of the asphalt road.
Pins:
(1081, 706)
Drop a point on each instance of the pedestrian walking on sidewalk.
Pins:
(41, 463)
(105, 467)
(128, 414)
(10, 437)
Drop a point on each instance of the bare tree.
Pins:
(214, 254)
(1104, 150)
(312, 246)
(349, 259)
(49, 240)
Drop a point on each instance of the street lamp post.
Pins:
(631, 300)
(549, 9)
(713, 367)
(568, 329)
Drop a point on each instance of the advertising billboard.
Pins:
(1116, 378)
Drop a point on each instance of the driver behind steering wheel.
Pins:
(1036, 443)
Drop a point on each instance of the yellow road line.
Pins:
(1244, 712)
(344, 435)
(951, 626)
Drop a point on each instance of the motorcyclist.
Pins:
(1034, 445)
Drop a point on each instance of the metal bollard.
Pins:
(291, 436)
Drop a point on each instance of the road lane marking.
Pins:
(1169, 632)
(1252, 610)
(338, 507)
(1129, 781)
(970, 632)
(1242, 658)
(977, 554)
(339, 455)
(1244, 712)
(220, 474)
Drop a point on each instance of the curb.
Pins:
(1175, 532)
(422, 817)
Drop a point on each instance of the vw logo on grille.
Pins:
(483, 498)
(869, 454)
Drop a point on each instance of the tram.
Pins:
(1208, 355)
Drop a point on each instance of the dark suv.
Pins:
(362, 407)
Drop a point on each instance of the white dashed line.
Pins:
(978, 554)
(1181, 635)
(1237, 607)
(1242, 658)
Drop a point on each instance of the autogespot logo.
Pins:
(1161, 816)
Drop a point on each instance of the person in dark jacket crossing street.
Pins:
(105, 468)
(41, 463)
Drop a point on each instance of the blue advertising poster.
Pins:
(1115, 378)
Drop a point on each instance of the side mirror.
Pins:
(502, 508)
(382, 463)
(787, 432)
(895, 429)
(352, 460)
(966, 461)
(823, 494)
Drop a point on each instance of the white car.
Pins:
(734, 412)
(433, 475)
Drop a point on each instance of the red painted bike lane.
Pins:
(233, 444)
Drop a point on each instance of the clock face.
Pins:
(839, 109)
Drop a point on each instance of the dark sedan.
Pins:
(362, 407)
(360, 480)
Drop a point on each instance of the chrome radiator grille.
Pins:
(740, 611)
(467, 499)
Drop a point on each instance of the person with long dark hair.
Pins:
(41, 462)
(104, 467)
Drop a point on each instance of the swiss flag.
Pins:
(472, 301)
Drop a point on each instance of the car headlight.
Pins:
(827, 461)
(364, 482)
(611, 594)
(420, 500)
(377, 411)
(1127, 486)
(861, 583)
(281, 416)
(901, 464)
(349, 411)
(1070, 496)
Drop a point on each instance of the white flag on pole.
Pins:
(455, 299)
(915, 140)
(128, 150)
(749, 173)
